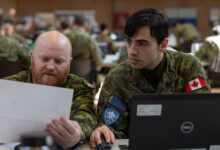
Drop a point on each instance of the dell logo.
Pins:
(187, 127)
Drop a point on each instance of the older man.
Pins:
(50, 65)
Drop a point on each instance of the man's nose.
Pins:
(133, 49)
(51, 65)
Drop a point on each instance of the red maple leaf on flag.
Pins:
(195, 84)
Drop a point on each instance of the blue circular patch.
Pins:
(110, 116)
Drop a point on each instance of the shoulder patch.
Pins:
(110, 115)
(117, 102)
(195, 84)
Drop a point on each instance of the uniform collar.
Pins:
(166, 80)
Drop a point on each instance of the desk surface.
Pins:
(215, 90)
(115, 146)
(82, 147)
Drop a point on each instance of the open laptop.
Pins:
(175, 121)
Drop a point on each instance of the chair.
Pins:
(84, 68)
(8, 68)
(214, 69)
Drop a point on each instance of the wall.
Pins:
(106, 8)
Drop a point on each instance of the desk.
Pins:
(82, 147)
(215, 90)
(115, 146)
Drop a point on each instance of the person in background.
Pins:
(186, 34)
(150, 68)
(103, 37)
(64, 27)
(84, 47)
(10, 48)
(50, 65)
(210, 47)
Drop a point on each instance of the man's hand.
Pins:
(64, 132)
(109, 136)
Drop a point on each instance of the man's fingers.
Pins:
(59, 127)
(69, 125)
(106, 133)
(52, 131)
(97, 136)
(92, 141)
(112, 137)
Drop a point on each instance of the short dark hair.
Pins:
(79, 20)
(103, 26)
(156, 21)
(64, 25)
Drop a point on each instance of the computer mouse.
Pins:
(104, 145)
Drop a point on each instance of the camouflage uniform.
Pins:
(188, 33)
(84, 47)
(82, 109)
(105, 38)
(123, 55)
(123, 81)
(22, 41)
(10, 50)
(208, 50)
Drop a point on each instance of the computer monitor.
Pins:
(175, 121)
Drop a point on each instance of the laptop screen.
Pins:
(175, 121)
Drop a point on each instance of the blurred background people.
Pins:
(211, 47)
(85, 52)
(104, 37)
(13, 47)
(64, 27)
(186, 34)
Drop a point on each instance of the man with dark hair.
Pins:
(103, 37)
(150, 68)
(64, 27)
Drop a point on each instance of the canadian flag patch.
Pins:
(195, 84)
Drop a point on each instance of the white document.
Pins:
(26, 108)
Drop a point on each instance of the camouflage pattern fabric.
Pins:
(10, 50)
(84, 47)
(82, 109)
(207, 52)
(22, 41)
(123, 55)
(123, 81)
(105, 38)
(186, 31)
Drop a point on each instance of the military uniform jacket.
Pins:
(209, 49)
(105, 38)
(123, 81)
(84, 46)
(10, 50)
(82, 109)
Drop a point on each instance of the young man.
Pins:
(149, 69)
(50, 65)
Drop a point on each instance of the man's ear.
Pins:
(163, 45)
(71, 59)
(31, 53)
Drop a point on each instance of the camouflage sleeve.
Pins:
(83, 110)
(207, 52)
(195, 71)
(97, 53)
(110, 89)
(112, 47)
